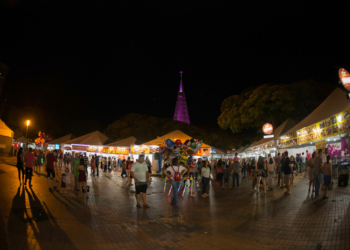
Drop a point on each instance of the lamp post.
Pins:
(28, 122)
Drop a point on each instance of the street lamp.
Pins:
(28, 122)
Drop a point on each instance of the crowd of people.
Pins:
(262, 171)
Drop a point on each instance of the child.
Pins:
(67, 179)
(63, 183)
(226, 175)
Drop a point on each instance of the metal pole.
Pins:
(27, 136)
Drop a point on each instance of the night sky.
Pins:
(105, 59)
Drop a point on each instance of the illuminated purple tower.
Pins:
(181, 112)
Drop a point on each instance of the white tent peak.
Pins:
(95, 138)
(127, 142)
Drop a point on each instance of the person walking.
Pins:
(271, 172)
(129, 164)
(123, 169)
(51, 159)
(30, 158)
(75, 166)
(318, 162)
(311, 172)
(287, 172)
(86, 161)
(82, 177)
(19, 165)
(60, 159)
(149, 167)
(97, 162)
(93, 165)
(235, 171)
(327, 178)
(205, 178)
(176, 174)
(261, 173)
(139, 172)
(219, 174)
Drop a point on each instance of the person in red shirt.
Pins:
(236, 159)
(50, 168)
(29, 167)
(128, 167)
(308, 155)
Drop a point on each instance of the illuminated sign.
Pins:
(140, 150)
(79, 148)
(267, 128)
(344, 78)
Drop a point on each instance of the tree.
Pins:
(266, 103)
(271, 103)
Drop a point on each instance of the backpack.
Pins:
(177, 175)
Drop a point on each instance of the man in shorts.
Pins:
(50, 168)
(139, 172)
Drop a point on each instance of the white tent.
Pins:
(6, 137)
(127, 142)
(334, 103)
(4, 130)
(62, 139)
(95, 138)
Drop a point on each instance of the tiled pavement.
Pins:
(228, 219)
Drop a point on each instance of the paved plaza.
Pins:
(34, 218)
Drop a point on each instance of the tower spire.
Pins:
(180, 90)
(181, 112)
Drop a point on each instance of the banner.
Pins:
(321, 145)
(92, 149)
(78, 148)
(205, 151)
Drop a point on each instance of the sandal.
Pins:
(146, 206)
(138, 206)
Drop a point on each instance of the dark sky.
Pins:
(104, 59)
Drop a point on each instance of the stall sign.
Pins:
(99, 149)
(92, 149)
(67, 148)
(205, 151)
(334, 125)
(139, 150)
(344, 78)
(267, 128)
(112, 150)
(213, 150)
(79, 148)
(105, 150)
(321, 144)
(153, 149)
(57, 146)
(122, 151)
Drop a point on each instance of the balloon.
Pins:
(169, 143)
(193, 145)
(198, 147)
(187, 143)
(178, 142)
(183, 160)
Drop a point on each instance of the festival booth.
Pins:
(121, 148)
(56, 144)
(6, 138)
(328, 126)
(162, 147)
(267, 145)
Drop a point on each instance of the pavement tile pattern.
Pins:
(34, 218)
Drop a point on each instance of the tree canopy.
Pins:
(271, 103)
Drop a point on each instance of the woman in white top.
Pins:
(205, 177)
(175, 172)
(270, 172)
